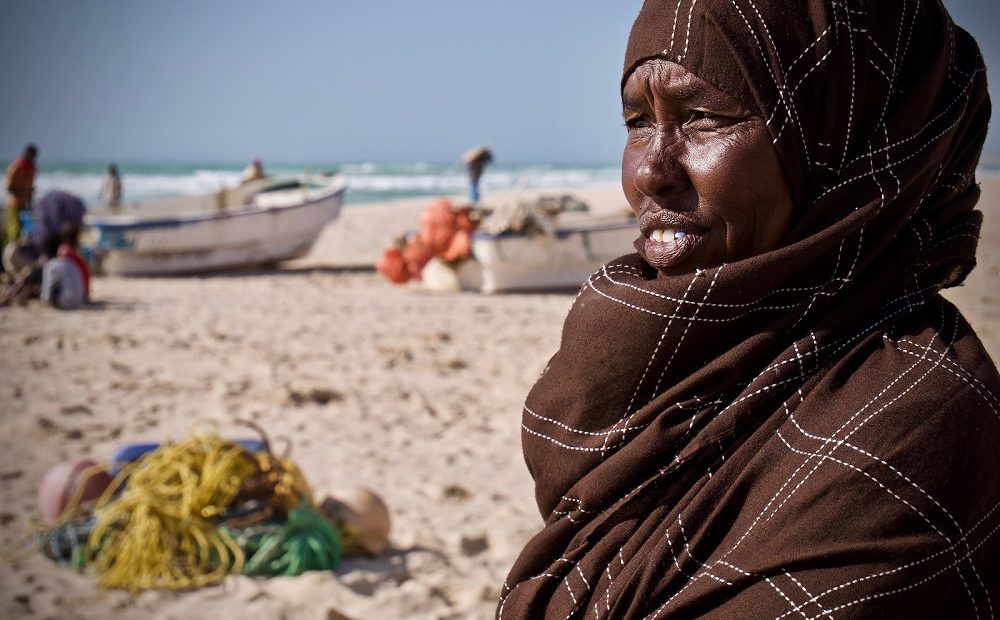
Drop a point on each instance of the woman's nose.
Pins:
(659, 170)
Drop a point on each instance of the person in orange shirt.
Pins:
(20, 187)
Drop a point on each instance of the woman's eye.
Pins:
(636, 122)
(710, 120)
(704, 115)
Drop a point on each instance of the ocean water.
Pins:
(367, 182)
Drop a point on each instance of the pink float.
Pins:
(60, 484)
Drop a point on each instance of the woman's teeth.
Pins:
(666, 235)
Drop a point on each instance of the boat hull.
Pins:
(195, 243)
(519, 262)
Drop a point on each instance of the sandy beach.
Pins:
(412, 393)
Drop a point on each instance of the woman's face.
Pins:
(699, 171)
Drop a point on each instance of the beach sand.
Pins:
(415, 394)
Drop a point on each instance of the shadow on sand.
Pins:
(271, 270)
(365, 575)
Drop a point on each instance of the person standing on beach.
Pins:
(20, 187)
(475, 162)
(111, 188)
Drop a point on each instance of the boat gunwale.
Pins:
(105, 224)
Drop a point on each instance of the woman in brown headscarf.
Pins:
(769, 411)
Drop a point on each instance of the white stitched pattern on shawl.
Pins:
(649, 364)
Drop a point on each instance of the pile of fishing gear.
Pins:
(186, 514)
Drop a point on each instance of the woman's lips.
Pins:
(664, 248)
(668, 238)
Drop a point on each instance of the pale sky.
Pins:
(329, 81)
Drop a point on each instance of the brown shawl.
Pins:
(811, 432)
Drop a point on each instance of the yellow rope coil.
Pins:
(159, 533)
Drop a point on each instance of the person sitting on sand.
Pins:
(769, 410)
(253, 172)
(65, 276)
(69, 248)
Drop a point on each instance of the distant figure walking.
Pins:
(20, 187)
(476, 160)
(253, 172)
(111, 188)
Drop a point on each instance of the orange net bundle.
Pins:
(445, 233)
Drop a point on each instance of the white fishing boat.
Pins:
(561, 258)
(261, 222)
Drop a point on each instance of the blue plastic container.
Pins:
(27, 222)
(132, 451)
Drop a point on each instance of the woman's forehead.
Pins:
(658, 73)
(662, 78)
